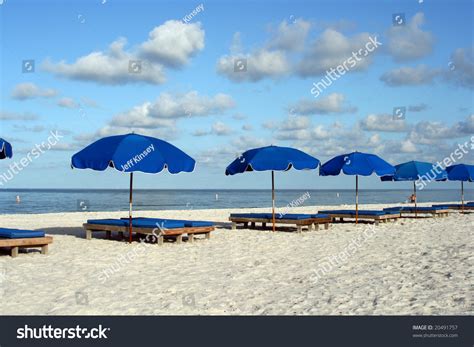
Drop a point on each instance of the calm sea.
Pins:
(65, 200)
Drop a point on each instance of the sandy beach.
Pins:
(409, 267)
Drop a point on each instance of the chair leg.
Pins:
(88, 234)
(234, 226)
(160, 240)
(310, 227)
(190, 238)
(326, 226)
(44, 249)
(298, 229)
(179, 238)
(208, 235)
(316, 226)
(14, 252)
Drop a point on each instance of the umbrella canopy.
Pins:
(356, 163)
(416, 171)
(6, 150)
(130, 153)
(272, 158)
(463, 173)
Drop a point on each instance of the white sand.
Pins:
(412, 266)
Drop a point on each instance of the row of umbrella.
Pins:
(133, 152)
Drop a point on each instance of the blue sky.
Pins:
(188, 92)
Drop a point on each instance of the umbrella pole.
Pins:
(273, 199)
(130, 209)
(357, 199)
(414, 192)
(462, 196)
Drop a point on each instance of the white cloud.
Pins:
(410, 76)
(331, 49)
(290, 36)
(221, 129)
(168, 108)
(173, 43)
(430, 133)
(409, 42)
(417, 108)
(67, 103)
(383, 123)
(109, 67)
(332, 104)
(296, 123)
(218, 128)
(8, 115)
(462, 68)
(28, 90)
(261, 64)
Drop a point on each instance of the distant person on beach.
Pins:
(18, 200)
(412, 198)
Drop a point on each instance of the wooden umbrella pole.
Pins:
(130, 209)
(462, 196)
(273, 199)
(357, 199)
(414, 193)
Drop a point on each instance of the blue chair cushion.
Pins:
(20, 234)
(115, 222)
(291, 216)
(361, 212)
(447, 206)
(168, 223)
(412, 209)
(320, 215)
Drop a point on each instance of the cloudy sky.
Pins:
(233, 76)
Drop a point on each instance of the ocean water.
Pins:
(71, 200)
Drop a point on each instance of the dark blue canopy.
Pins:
(416, 170)
(461, 172)
(6, 150)
(356, 163)
(133, 152)
(272, 158)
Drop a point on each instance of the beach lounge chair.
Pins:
(14, 239)
(409, 211)
(299, 220)
(457, 207)
(374, 215)
(162, 228)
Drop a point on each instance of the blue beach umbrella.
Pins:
(272, 158)
(416, 171)
(463, 173)
(6, 150)
(133, 152)
(356, 163)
